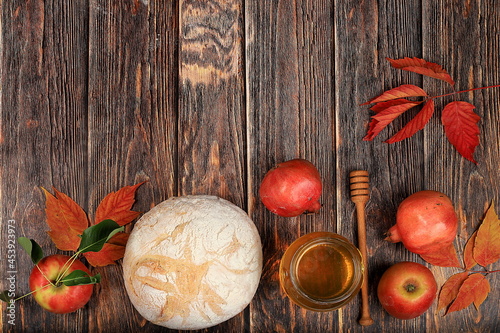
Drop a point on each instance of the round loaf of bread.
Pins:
(192, 262)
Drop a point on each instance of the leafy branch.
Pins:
(458, 118)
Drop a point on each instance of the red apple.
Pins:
(58, 298)
(407, 289)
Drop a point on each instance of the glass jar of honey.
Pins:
(321, 271)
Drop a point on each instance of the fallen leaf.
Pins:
(423, 67)
(405, 90)
(66, 220)
(469, 260)
(449, 290)
(385, 117)
(481, 292)
(487, 243)
(460, 126)
(416, 124)
(381, 106)
(117, 206)
(446, 258)
(113, 250)
(474, 289)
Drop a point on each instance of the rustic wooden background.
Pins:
(202, 96)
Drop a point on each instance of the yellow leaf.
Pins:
(487, 244)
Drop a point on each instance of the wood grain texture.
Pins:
(205, 96)
(212, 127)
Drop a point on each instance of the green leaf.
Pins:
(79, 278)
(4, 296)
(32, 248)
(94, 237)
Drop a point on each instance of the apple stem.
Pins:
(66, 267)
(34, 291)
(46, 278)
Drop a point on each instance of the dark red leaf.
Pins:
(460, 126)
(416, 124)
(423, 67)
(385, 117)
(405, 90)
(381, 106)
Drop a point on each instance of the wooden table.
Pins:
(203, 97)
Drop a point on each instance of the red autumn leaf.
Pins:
(487, 244)
(405, 90)
(117, 206)
(469, 260)
(386, 116)
(460, 126)
(449, 290)
(381, 106)
(447, 257)
(113, 250)
(423, 67)
(416, 124)
(474, 289)
(66, 220)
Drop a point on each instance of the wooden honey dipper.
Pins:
(360, 193)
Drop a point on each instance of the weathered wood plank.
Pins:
(212, 126)
(43, 132)
(205, 96)
(362, 73)
(289, 91)
(212, 131)
(132, 126)
(469, 59)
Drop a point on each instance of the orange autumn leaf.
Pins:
(117, 206)
(66, 220)
(469, 260)
(416, 124)
(449, 290)
(474, 289)
(447, 257)
(405, 90)
(460, 127)
(423, 67)
(113, 250)
(487, 243)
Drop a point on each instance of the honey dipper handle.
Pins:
(360, 193)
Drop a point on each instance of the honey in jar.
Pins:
(321, 271)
